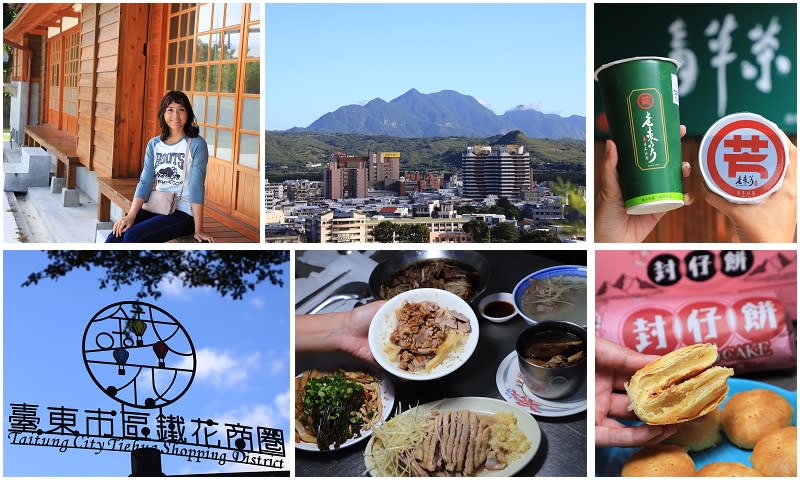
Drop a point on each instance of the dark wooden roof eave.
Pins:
(34, 18)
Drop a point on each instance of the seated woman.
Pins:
(176, 160)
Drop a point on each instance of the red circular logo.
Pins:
(650, 331)
(759, 318)
(747, 168)
(645, 101)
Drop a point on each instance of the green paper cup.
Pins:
(640, 96)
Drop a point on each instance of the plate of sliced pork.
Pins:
(469, 436)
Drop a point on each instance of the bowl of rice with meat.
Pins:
(423, 334)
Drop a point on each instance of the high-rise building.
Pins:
(504, 172)
(384, 169)
(345, 177)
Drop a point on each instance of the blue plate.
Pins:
(609, 461)
(566, 270)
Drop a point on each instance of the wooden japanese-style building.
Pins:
(90, 77)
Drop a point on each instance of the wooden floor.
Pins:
(120, 192)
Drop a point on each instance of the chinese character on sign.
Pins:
(645, 330)
(244, 435)
(63, 420)
(720, 43)
(759, 315)
(170, 428)
(765, 44)
(697, 318)
(207, 433)
(687, 74)
(700, 265)
(663, 270)
(270, 441)
(24, 418)
(134, 424)
(101, 418)
(736, 263)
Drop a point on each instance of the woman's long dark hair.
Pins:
(190, 128)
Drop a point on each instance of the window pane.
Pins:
(252, 75)
(184, 24)
(204, 18)
(253, 42)
(182, 52)
(229, 72)
(216, 46)
(200, 78)
(190, 29)
(173, 27)
(250, 114)
(202, 48)
(213, 78)
(248, 151)
(187, 86)
(174, 8)
(211, 111)
(179, 81)
(231, 47)
(211, 140)
(170, 79)
(224, 144)
(225, 112)
(219, 9)
(199, 106)
(255, 12)
(171, 49)
(233, 16)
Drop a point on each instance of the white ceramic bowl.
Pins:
(385, 320)
(505, 297)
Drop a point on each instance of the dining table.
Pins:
(563, 447)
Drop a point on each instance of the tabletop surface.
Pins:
(563, 448)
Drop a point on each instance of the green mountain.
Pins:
(289, 152)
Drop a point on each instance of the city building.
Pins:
(337, 227)
(503, 171)
(384, 170)
(302, 191)
(273, 196)
(346, 177)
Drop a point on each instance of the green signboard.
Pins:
(734, 57)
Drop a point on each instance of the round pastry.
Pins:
(727, 470)
(679, 386)
(698, 434)
(659, 461)
(776, 453)
(750, 415)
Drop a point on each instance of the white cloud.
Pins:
(282, 403)
(223, 369)
(276, 366)
(257, 302)
(173, 286)
(485, 103)
(534, 105)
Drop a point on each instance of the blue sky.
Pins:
(322, 56)
(242, 365)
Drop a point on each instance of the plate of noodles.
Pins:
(336, 409)
(469, 436)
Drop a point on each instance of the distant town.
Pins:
(494, 198)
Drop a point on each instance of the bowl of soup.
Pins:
(552, 358)
(553, 294)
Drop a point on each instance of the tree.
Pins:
(384, 232)
(505, 232)
(229, 272)
(477, 229)
(508, 209)
(413, 233)
(539, 236)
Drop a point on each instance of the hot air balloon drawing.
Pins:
(127, 371)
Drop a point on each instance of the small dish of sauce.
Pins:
(498, 307)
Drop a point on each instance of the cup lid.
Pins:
(633, 59)
(743, 158)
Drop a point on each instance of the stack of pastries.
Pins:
(684, 388)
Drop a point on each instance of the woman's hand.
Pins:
(612, 223)
(201, 237)
(122, 224)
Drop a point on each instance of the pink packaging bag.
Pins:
(745, 302)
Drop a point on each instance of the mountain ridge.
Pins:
(443, 114)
